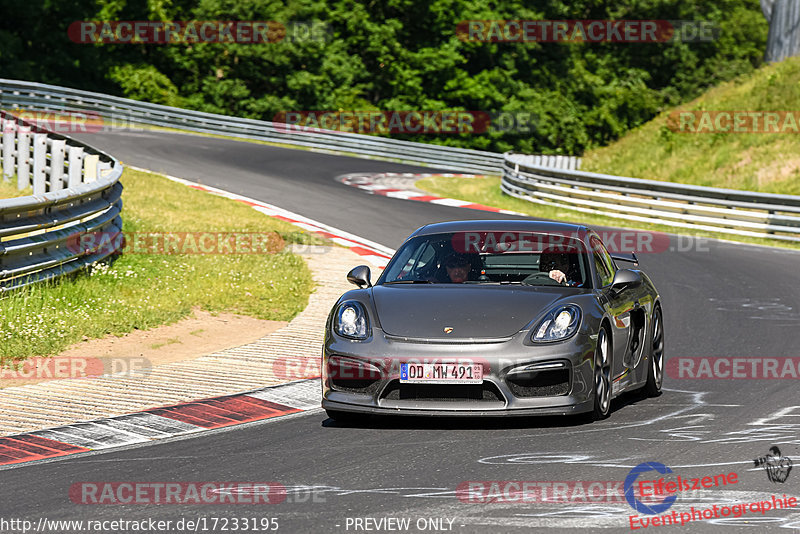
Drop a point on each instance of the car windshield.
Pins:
(524, 258)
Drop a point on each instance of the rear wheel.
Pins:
(655, 370)
(602, 376)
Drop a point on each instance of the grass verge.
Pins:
(486, 190)
(140, 291)
(8, 188)
(766, 162)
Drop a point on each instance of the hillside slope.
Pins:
(692, 148)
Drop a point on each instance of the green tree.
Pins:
(398, 55)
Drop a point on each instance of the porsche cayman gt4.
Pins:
(494, 318)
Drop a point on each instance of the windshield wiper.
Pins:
(408, 282)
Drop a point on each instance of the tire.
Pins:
(655, 366)
(602, 376)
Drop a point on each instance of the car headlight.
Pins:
(561, 323)
(351, 320)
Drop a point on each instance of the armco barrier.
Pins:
(31, 96)
(551, 180)
(687, 206)
(76, 190)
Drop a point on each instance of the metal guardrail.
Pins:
(551, 180)
(42, 97)
(726, 211)
(569, 163)
(76, 190)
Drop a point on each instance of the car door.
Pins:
(619, 306)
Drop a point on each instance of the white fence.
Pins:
(76, 190)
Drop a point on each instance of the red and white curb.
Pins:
(160, 423)
(219, 412)
(196, 416)
(392, 185)
(374, 253)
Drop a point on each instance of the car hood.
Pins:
(472, 311)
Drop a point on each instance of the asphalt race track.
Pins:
(719, 299)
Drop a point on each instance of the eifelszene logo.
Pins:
(630, 485)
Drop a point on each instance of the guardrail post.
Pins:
(573, 163)
(75, 166)
(57, 147)
(90, 168)
(23, 157)
(39, 164)
(9, 148)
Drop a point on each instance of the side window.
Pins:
(402, 265)
(415, 260)
(425, 258)
(602, 262)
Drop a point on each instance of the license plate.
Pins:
(441, 373)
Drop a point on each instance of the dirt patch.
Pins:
(745, 159)
(200, 334)
(778, 171)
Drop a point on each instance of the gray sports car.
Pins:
(494, 318)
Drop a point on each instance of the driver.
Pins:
(559, 264)
(458, 267)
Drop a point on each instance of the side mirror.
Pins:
(626, 278)
(359, 276)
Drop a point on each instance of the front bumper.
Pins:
(573, 409)
(372, 385)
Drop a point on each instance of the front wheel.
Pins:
(602, 376)
(655, 370)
